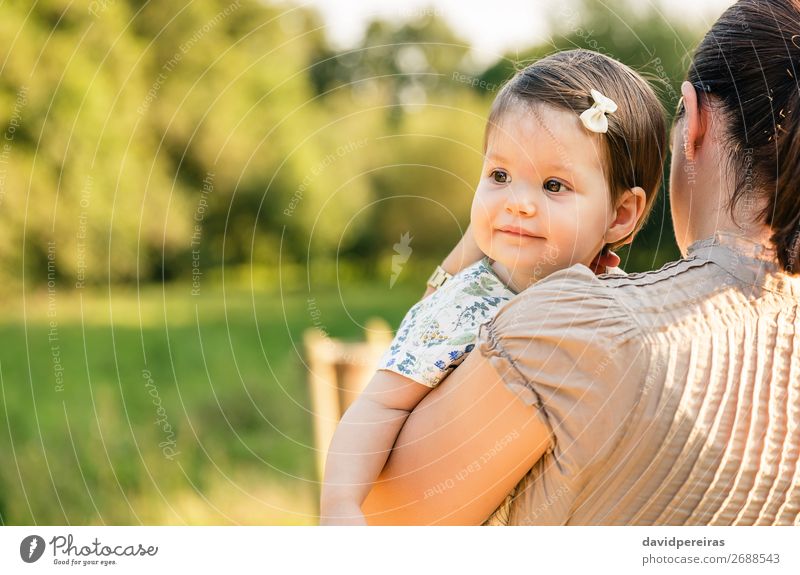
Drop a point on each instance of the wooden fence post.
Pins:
(338, 372)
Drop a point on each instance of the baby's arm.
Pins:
(464, 254)
(362, 443)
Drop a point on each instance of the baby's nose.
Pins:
(521, 203)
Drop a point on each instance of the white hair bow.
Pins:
(595, 117)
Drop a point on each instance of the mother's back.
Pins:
(694, 416)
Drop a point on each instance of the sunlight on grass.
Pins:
(197, 413)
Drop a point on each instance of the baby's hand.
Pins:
(343, 514)
(605, 259)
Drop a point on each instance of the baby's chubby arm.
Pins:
(362, 443)
(464, 254)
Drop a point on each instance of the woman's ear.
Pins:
(695, 121)
(629, 210)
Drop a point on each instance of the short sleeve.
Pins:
(566, 346)
(438, 332)
(422, 352)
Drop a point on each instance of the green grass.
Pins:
(229, 373)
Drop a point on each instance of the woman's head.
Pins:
(576, 190)
(745, 74)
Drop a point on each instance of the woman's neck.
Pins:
(744, 223)
(706, 203)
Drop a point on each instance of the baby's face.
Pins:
(542, 203)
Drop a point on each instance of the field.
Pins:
(161, 407)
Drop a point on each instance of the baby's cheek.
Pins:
(590, 240)
(483, 238)
(567, 249)
(480, 219)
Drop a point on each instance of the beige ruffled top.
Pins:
(672, 397)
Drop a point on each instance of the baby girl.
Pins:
(571, 167)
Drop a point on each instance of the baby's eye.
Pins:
(554, 186)
(500, 177)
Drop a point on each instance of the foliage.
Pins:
(118, 113)
(153, 143)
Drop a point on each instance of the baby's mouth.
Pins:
(518, 231)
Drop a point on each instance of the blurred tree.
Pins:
(81, 172)
(138, 132)
(404, 81)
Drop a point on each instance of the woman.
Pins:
(668, 397)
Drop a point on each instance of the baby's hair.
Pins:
(635, 142)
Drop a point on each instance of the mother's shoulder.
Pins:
(669, 272)
(567, 299)
(580, 276)
(615, 299)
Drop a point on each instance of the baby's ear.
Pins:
(629, 210)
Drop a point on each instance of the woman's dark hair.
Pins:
(749, 61)
(634, 144)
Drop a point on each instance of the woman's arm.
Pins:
(362, 443)
(462, 450)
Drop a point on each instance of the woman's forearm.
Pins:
(446, 466)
